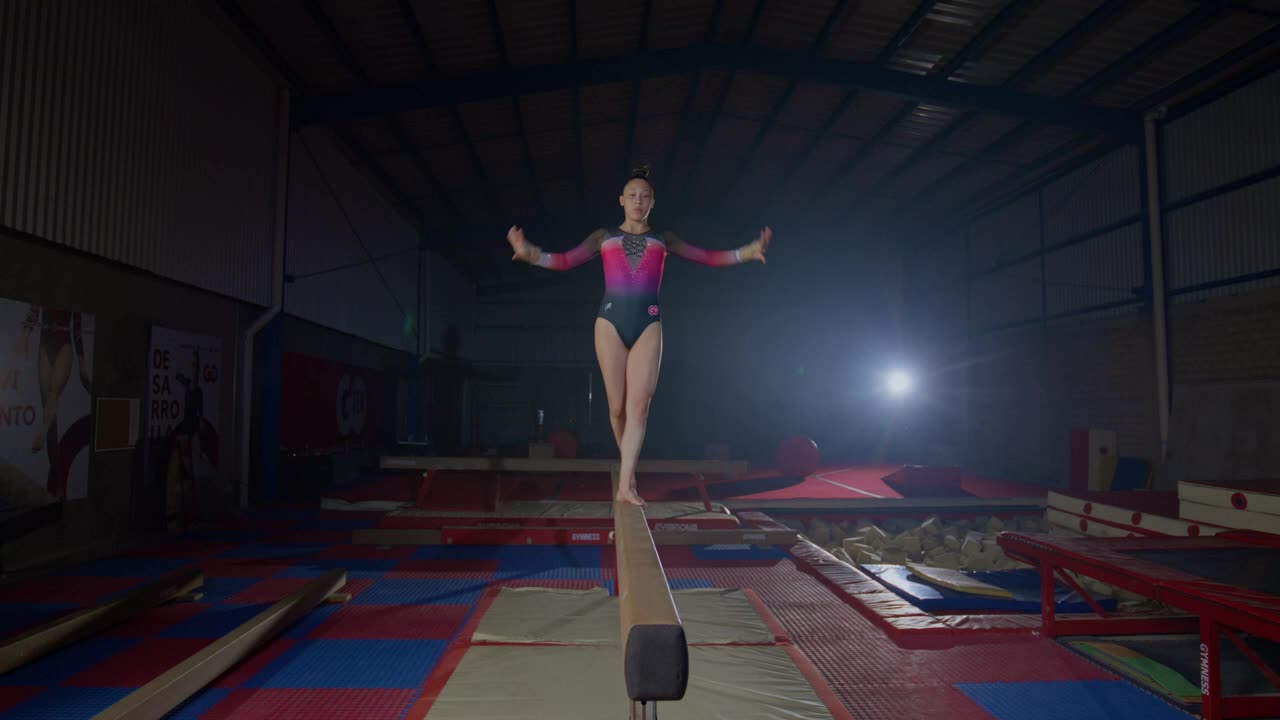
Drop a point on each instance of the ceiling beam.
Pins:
(1011, 11)
(378, 176)
(1132, 60)
(500, 37)
(581, 158)
(797, 160)
(1207, 12)
(1232, 60)
(634, 118)
(690, 178)
(660, 63)
(686, 108)
(397, 131)
(836, 182)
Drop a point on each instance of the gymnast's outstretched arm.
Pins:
(534, 255)
(753, 250)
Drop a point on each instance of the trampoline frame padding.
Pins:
(655, 662)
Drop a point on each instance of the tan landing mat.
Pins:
(503, 682)
(590, 617)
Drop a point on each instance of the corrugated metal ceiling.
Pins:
(776, 134)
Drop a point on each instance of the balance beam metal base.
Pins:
(643, 711)
(560, 465)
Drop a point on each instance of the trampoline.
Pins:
(1169, 665)
(1251, 568)
(1225, 584)
(1022, 586)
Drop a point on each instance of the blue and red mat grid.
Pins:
(371, 657)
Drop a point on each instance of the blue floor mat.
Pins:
(1070, 700)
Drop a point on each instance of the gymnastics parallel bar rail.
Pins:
(1218, 609)
(655, 653)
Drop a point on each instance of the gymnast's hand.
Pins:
(521, 248)
(754, 250)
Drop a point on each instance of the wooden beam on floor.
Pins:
(395, 536)
(743, 536)
(60, 632)
(172, 688)
(560, 465)
(892, 505)
(488, 535)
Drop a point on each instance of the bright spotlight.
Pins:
(899, 382)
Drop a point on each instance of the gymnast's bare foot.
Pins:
(628, 495)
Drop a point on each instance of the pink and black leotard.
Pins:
(633, 273)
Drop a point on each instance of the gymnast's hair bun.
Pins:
(640, 171)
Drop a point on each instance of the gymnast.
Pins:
(628, 327)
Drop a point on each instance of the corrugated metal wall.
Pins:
(1221, 165)
(1101, 193)
(1010, 232)
(1225, 237)
(1091, 232)
(138, 131)
(448, 309)
(1229, 139)
(1070, 247)
(1029, 385)
(1005, 297)
(1103, 271)
(550, 324)
(353, 258)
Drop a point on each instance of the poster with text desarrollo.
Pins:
(184, 376)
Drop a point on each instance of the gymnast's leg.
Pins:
(643, 364)
(612, 354)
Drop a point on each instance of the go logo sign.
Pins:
(351, 405)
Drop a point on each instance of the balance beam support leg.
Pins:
(643, 711)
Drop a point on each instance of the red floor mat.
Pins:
(853, 483)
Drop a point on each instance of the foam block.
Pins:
(894, 556)
(910, 544)
(875, 537)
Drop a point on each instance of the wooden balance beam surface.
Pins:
(63, 631)
(655, 653)
(172, 688)
(584, 465)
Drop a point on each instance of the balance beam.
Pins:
(173, 687)
(472, 535)
(566, 465)
(63, 631)
(655, 653)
